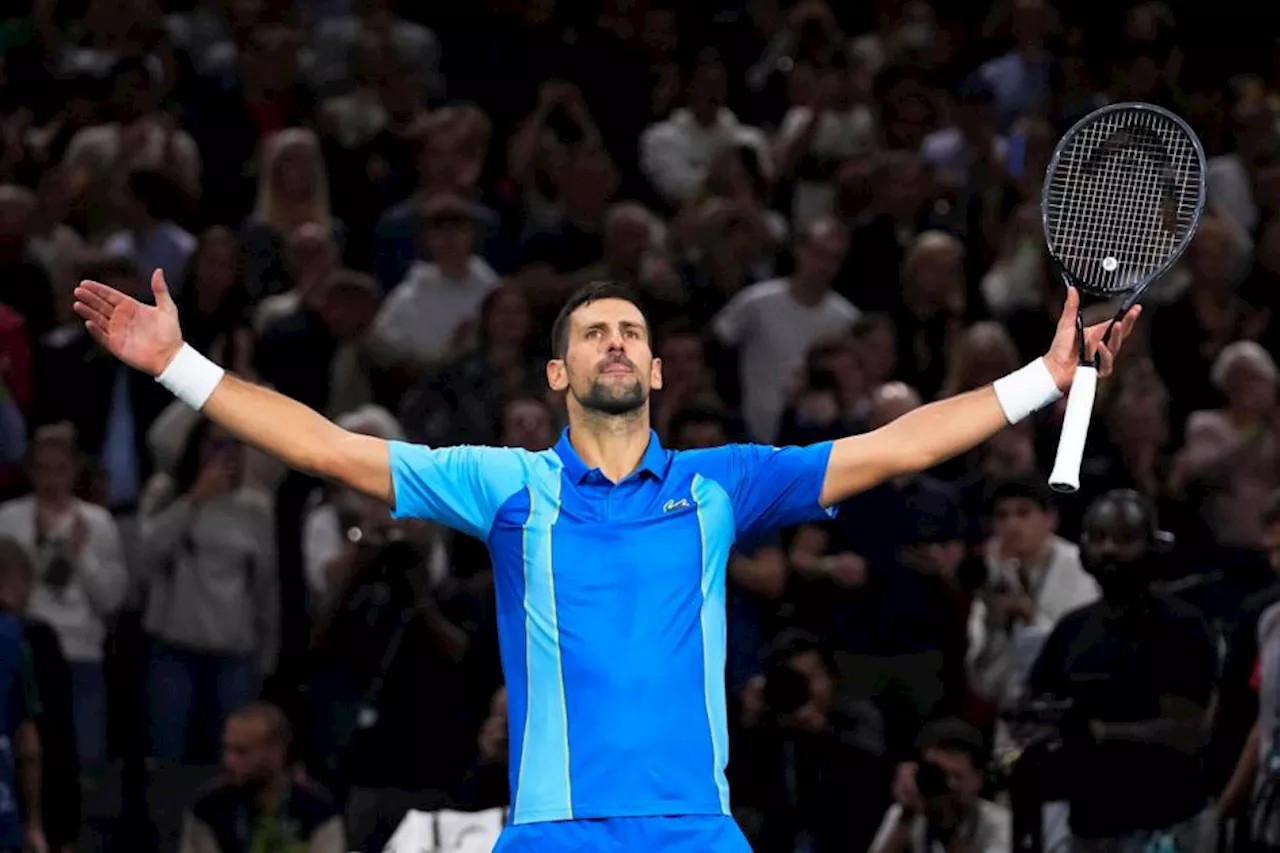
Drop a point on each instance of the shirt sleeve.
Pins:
(733, 322)
(777, 487)
(459, 487)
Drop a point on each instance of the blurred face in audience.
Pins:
(506, 317)
(1212, 257)
(215, 265)
(821, 253)
(348, 310)
(1250, 388)
(250, 757)
(295, 171)
(683, 361)
(627, 239)
(527, 424)
(608, 367)
(877, 351)
(53, 472)
(1022, 526)
(450, 240)
(708, 92)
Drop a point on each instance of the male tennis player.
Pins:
(609, 551)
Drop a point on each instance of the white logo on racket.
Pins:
(1110, 264)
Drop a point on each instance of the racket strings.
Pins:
(1122, 199)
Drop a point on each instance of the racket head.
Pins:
(1123, 194)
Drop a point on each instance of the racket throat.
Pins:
(1085, 360)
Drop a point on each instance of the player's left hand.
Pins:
(1063, 354)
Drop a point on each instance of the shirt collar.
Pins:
(653, 463)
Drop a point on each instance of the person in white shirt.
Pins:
(774, 323)
(817, 137)
(1034, 578)
(676, 153)
(425, 319)
(80, 575)
(938, 808)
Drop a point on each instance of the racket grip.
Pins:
(1075, 429)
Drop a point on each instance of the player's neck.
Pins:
(613, 443)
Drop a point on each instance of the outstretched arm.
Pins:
(931, 434)
(148, 338)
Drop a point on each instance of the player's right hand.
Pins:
(145, 337)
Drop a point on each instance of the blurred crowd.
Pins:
(831, 212)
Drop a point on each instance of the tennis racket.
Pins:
(1122, 197)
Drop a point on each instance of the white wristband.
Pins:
(1026, 390)
(191, 377)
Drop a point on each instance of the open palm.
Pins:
(145, 337)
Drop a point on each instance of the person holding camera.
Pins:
(1138, 669)
(801, 749)
(937, 800)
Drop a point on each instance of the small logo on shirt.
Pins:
(673, 505)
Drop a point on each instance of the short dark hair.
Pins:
(157, 192)
(279, 731)
(1024, 488)
(588, 293)
(953, 735)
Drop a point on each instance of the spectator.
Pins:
(460, 404)
(293, 189)
(451, 145)
(425, 320)
(1138, 667)
(258, 805)
(312, 256)
(800, 746)
(674, 153)
(1034, 578)
(1231, 460)
(316, 352)
(80, 575)
(110, 406)
(149, 206)
(773, 323)
(938, 799)
(207, 554)
(51, 680)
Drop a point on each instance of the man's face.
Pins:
(683, 361)
(964, 782)
(450, 241)
(53, 472)
(1114, 548)
(708, 92)
(1022, 526)
(249, 757)
(821, 254)
(608, 366)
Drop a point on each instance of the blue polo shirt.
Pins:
(611, 608)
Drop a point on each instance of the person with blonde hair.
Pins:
(293, 189)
